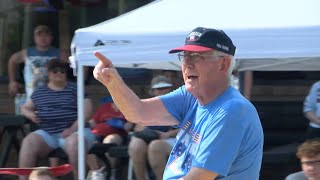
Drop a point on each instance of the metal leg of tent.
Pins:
(130, 170)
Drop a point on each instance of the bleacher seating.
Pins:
(283, 122)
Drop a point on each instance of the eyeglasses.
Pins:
(56, 70)
(194, 57)
(311, 163)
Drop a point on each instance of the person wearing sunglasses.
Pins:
(220, 135)
(35, 59)
(53, 107)
(309, 155)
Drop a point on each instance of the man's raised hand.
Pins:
(104, 71)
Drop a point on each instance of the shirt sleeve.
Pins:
(311, 99)
(177, 102)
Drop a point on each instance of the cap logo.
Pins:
(193, 36)
(222, 47)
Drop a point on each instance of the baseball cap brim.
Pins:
(191, 48)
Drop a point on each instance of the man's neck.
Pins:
(212, 93)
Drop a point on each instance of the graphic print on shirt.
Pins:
(184, 150)
(36, 71)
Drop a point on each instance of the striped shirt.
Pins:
(57, 110)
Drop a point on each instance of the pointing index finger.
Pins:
(102, 58)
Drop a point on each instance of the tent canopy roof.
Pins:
(263, 31)
(167, 16)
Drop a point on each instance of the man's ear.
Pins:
(226, 62)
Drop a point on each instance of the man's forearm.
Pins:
(148, 111)
(125, 99)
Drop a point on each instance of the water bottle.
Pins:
(23, 99)
(17, 104)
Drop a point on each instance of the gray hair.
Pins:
(232, 62)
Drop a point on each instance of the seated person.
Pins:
(311, 109)
(109, 126)
(108, 120)
(152, 144)
(54, 108)
(309, 155)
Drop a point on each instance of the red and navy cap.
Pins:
(205, 39)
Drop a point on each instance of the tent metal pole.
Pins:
(81, 152)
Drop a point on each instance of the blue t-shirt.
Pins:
(224, 136)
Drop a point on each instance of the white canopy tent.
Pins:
(270, 36)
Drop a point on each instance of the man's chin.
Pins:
(191, 89)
